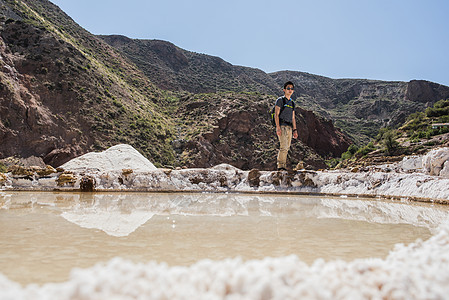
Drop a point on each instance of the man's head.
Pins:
(289, 88)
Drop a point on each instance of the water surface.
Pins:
(44, 235)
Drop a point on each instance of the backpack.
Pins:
(273, 122)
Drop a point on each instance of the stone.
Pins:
(3, 178)
(411, 163)
(254, 178)
(434, 160)
(48, 170)
(87, 184)
(300, 166)
(21, 171)
(127, 172)
(66, 178)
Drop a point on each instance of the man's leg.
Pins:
(285, 141)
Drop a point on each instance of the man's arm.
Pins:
(295, 130)
(277, 111)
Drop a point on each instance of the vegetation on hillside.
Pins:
(414, 135)
(419, 124)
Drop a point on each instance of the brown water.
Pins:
(44, 235)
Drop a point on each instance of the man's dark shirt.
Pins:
(286, 116)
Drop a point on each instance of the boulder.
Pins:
(434, 161)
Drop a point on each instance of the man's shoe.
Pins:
(282, 169)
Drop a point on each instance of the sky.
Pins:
(393, 40)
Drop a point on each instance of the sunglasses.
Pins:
(290, 89)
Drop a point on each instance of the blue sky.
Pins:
(378, 39)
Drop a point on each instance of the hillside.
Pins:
(420, 133)
(65, 92)
(360, 107)
(173, 68)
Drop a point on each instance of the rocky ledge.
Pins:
(122, 168)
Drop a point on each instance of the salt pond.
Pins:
(46, 234)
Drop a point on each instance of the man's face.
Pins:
(288, 91)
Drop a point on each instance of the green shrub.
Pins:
(353, 148)
(390, 142)
(441, 104)
(366, 149)
(346, 155)
(381, 133)
(440, 108)
(333, 163)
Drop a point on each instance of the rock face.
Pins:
(240, 133)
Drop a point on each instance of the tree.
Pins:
(390, 142)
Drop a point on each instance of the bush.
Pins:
(333, 163)
(437, 112)
(346, 155)
(381, 133)
(366, 149)
(441, 104)
(390, 142)
(440, 108)
(353, 148)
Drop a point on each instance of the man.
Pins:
(284, 117)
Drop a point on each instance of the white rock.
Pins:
(115, 158)
(433, 161)
(445, 171)
(411, 164)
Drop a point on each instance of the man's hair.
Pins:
(288, 83)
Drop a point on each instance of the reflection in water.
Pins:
(39, 245)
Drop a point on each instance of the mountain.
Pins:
(65, 92)
(176, 69)
(360, 107)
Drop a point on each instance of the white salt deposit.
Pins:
(116, 158)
